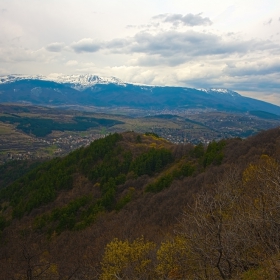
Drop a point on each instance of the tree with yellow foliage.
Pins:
(173, 261)
(262, 184)
(127, 260)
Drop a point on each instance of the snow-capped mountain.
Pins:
(220, 91)
(93, 90)
(82, 82)
(79, 82)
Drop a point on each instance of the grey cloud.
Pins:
(172, 42)
(117, 44)
(155, 60)
(174, 48)
(55, 47)
(131, 26)
(192, 43)
(261, 83)
(254, 77)
(144, 26)
(187, 20)
(85, 45)
(268, 22)
(253, 70)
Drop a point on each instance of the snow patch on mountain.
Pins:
(17, 77)
(79, 82)
(219, 91)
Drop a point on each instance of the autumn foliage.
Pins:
(231, 232)
(134, 206)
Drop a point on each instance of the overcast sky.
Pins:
(201, 43)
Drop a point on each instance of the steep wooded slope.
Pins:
(57, 219)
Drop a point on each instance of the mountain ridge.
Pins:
(79, 82)
(92, 90)
(82, 82)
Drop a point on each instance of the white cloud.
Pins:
(18, 55)
(72, 63)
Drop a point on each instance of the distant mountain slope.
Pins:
(92, 90)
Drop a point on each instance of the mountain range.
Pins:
(92, 90)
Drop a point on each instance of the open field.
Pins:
(5, 129)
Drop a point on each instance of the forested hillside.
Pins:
(135, 206)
